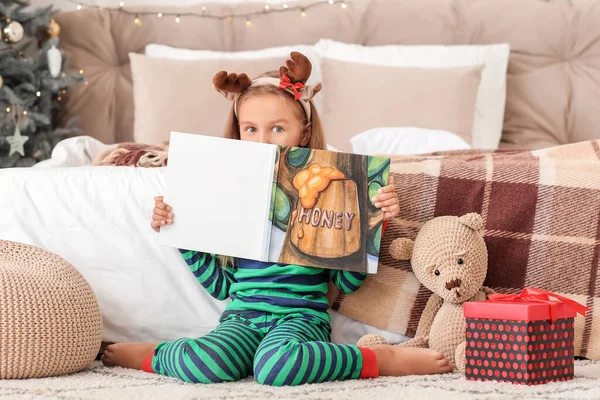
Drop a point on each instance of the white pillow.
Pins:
(491, 97)
(162, 51)
(77, 151)
(405, 141)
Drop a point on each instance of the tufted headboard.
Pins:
(553, 83)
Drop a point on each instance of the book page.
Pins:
(220, 192)
(323, 214)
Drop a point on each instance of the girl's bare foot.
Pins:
(127, 355)
(402, 361)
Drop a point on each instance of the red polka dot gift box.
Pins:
(524, 338)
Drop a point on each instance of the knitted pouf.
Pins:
(50, 322)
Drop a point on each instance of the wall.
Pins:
(64, 5)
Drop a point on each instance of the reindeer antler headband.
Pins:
(292, 79)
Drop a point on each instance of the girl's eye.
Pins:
(251, 129)
(277, 129)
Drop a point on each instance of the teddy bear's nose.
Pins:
(453, 284)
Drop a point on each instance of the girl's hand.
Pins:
(162, 214)
(387, 200)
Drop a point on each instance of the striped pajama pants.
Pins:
(277, 349)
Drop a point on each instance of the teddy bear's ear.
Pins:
(473, 221)
(401, 249)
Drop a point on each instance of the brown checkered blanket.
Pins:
(542, 229)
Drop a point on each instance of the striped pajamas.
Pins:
(276, 327)
(291, 350)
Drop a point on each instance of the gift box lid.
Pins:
(517, 310)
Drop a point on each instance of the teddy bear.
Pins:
(449, 257)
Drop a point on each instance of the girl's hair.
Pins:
(317, 139)
(232, 128)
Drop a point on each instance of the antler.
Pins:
(231, 83)
(298, 68)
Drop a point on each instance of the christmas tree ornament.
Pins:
(53, 29)
(54, 61)
(13, 32)
(32, 81)
(16, 142)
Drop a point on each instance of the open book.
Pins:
(286, 205)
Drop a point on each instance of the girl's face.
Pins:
(272, 119)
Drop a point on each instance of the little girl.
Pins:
(276, 327)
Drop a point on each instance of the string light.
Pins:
(38, 94)
(270, 8)
(7, 109)
(80, 72)
(64, 91)
(25, 112)
(59, 98)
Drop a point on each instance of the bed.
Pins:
(540, 76)
(98, 219)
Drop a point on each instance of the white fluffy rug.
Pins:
(98, 382)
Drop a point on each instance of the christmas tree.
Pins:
(33, 82)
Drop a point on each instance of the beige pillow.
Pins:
(177, 95)
(358, 97)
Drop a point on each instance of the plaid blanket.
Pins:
(542, 229)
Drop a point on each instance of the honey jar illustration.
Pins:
(325, 222)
